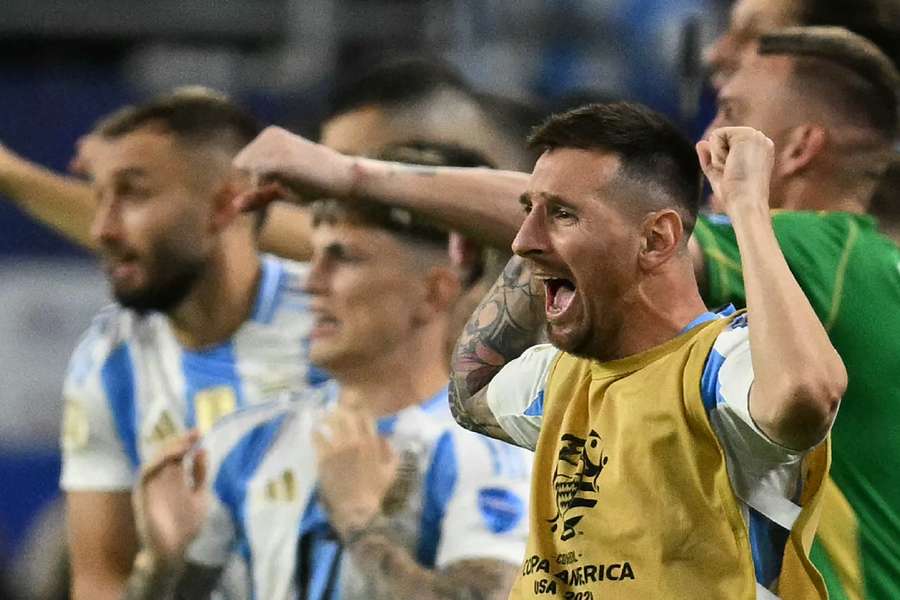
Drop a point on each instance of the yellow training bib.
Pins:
(631, 498)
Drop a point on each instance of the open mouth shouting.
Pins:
(559, 296)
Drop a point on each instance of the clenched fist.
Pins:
(738, 163)
(279, 159)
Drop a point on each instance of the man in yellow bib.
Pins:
(679, 452)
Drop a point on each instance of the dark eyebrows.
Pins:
(525, 199)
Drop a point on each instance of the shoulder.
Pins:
(104, 342)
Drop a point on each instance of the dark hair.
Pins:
(395, 82)
(195, 114)
(845, 70)
(877, 20)
(652, 150)
(404, 223)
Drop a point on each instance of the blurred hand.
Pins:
(85, 151)
(278, 158)
(356, 467)
(738, 163)
(170, 505)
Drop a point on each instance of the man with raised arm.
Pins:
(203, 323)
(369, 490)
(830, 151)
(635, 421)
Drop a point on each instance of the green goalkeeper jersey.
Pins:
(851, 275)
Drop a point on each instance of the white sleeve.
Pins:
(516, 394)
(755, 461)
(486, 514)
(94, 455)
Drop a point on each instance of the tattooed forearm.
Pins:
(507, 322)
(150, 580)
(392, 574)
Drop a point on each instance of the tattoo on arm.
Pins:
(507, 322)
(392, 573)
(151, 581)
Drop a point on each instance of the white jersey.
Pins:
(759, 468)
(131, 386)
(463, 496)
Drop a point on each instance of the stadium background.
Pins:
(64, 64)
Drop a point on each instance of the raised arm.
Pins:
(480, 203)
(65, 204)
(507, 322)
(798, 376)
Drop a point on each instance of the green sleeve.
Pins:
(815, 245)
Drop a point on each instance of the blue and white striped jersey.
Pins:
(131, 386)
(460, 496)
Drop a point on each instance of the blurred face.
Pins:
(362, 131)
(152, 222)
(759, 95)
(749, 20)
(581, 247)
(366, 295)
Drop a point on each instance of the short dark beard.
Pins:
(175, 277)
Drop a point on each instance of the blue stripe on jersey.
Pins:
(703, 318)
(117, 376)
(767, 542)
(767, 539)
(211, 368)
(318, 554)
(440, 481)
(271, 281)
(709, 381)
(536, 408)
(235, 473)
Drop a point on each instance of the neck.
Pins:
(223, 298)
(657, 311)
(396, 380)
(818, 194)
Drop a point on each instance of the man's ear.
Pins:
(799, 148)
(224, 208)
(662, 233)
(443, 287)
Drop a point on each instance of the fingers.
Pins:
(173, 454)
(704, 154)
(346, 427)
(200, 468)
(260, 197)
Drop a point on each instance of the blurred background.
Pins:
(64, 64)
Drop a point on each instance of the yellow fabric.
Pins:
(630, 495)
(839, 535)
